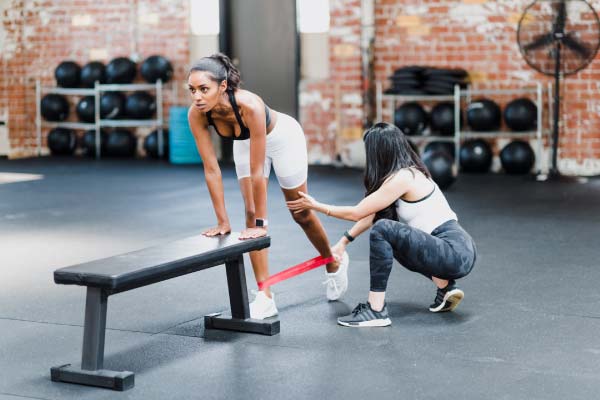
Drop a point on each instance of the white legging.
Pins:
(286, 151)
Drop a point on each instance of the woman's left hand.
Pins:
(305, 202)
(338, 250)
(251, 233)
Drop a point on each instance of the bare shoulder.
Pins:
(197, 116)
(404, 175)
(248, 101)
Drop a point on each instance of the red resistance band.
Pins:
(293, 271)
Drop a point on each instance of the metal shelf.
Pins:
(130, 87)
(419, 97)
(466, 94)
(121, 123)
(57, 90)
(70, 125)
(498, 134)
(126, 87)
(108, 123)
(99, 123)
(431, 138)
(532, 90)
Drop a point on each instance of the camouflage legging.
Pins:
(447, 253)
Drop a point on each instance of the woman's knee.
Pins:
(303, 218)
(380, 229)
(389, 228)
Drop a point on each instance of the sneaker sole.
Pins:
(265, 316)
(451, 300)
(367, 324)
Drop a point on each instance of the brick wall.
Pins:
(38, 35)
(331, 109)
(477, 35)
(480, 36)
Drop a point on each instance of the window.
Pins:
(204, 17)
(313, 25)
(313, 16)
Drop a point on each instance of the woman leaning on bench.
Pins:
(262, 137)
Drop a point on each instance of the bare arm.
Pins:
(212, 172)
(393, 188)
(357, 229)
(254, 115)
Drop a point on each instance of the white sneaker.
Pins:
(262, 307)
(337, 282)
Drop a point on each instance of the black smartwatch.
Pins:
(349, 236)
(261, 223)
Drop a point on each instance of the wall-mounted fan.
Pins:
(558, 38)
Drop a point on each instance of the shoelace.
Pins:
(359, 308)
(331, 282)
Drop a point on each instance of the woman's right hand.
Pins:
(304, 202)
(221, 229)
(338, 250)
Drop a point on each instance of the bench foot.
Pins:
(115, 380)
(267, 327)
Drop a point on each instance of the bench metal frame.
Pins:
(92, 370)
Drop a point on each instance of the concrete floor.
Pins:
(527, 329)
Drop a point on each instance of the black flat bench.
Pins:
(129, 271)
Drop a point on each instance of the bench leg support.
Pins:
(92, 360)
(240, 312)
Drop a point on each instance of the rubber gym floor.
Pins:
(527, 328)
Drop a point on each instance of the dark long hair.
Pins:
(221, 68)
(388, 151)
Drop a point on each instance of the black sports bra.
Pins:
(245, 132)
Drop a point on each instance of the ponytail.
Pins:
(221, 68)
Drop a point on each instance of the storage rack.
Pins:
(460, 134)
(394, 99)
(100, 123)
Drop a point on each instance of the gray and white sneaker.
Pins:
(364, 316)
(447, 299)
(337, 282)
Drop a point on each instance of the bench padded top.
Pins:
(158, 263)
